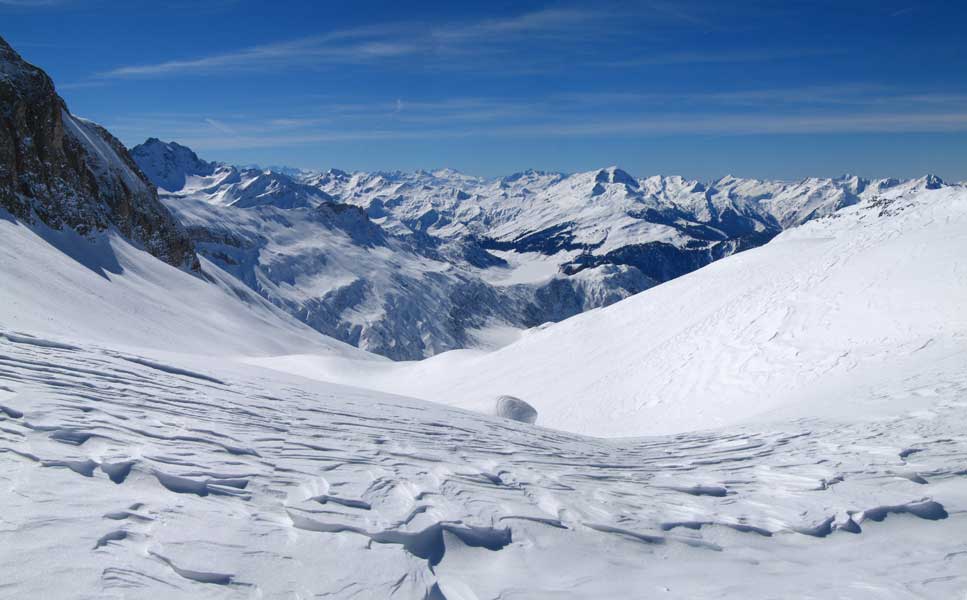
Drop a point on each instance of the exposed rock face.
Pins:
(68, 172)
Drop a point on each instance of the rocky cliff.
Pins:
(68, 172)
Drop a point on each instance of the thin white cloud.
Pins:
(380, 43)
(758, 124)
(628, 127)
(881, 97)
(220, 126)
(814, 109)
(80, 85)
(285, 54)
(547, 21)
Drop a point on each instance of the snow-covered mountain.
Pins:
(170, 165)
(846, 315)
(442, 260)
(397, 292)
(153, 446)
(178, 171)
(151, 442)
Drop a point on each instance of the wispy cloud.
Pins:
(350, 46)
(80, 85)
(542, 22)
(642, 127)
(534, 42)
(869, 95)
(759, 124)
(219, 126)
(847, 109)
(438, 43)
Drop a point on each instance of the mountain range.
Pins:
(786, 421)
(409, 265)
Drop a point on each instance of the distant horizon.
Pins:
(434, 169)
(776, 91)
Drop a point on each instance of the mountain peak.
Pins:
(614, 174)
(446, 173)
(23, 78)
(168, 164)
(933, 182)
(70, 172)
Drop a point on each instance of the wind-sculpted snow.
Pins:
(141, 475)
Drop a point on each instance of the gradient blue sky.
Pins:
(765, 88)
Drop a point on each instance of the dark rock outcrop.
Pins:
(69, 172)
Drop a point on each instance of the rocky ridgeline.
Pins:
(69, 172)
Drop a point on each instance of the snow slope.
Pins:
(824, 320)
(102, 289)
(143, 455)
(125, 474)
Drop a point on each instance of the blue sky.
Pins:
(762, 88)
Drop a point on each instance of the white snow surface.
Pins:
(103, 290)
(85, 132)
(842, 307)
(144, 455)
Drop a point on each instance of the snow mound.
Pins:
(515, 409)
